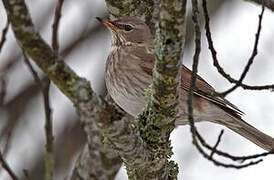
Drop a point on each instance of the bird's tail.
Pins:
(249, 132)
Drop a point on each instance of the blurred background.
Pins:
(84, 44)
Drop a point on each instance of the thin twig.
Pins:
(4, 33)
(57, 17)
(215, 59)
(217, 143)
(48, 124)
(231, 157)
(7, 167)
(252, 57)
(49, 161)
(194, 131)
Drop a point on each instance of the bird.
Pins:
(128, 73)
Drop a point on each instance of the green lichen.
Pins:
(156, 122)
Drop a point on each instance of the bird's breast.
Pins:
(125, 80)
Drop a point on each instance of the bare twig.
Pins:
(48, 124)
(3, 82)
(7, 167)
(217, 143)
(57, 17)
(4, 33)
(195, 133)
(215, 60)
(231, 157)
(251, 59)
(49, 161)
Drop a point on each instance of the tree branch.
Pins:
(77, 89)
(252, 57)
(163, 107)
(44, 87)
(215, 59)
(195, 134)
(7, 167)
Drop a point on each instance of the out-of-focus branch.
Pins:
(3, 90)
(18, 103)
(3, 83)
(7, 167)
(267, 3)
(64, 151)
(106, 118)
(31, 42)
(4, 33)
(77, 89)
(31, 90)
(49, 161)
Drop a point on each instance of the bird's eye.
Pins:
(128, 27)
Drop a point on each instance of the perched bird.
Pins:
(128, 72)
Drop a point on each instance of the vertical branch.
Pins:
(49, 160)
(48, 122)
(157, 121)
(169, 41)
(195, 13)
(3, 89)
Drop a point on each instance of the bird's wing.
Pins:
(203, 89)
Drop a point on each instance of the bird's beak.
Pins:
(108, 24)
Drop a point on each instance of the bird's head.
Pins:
(126, 31)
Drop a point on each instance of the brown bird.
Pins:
(128, 72)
